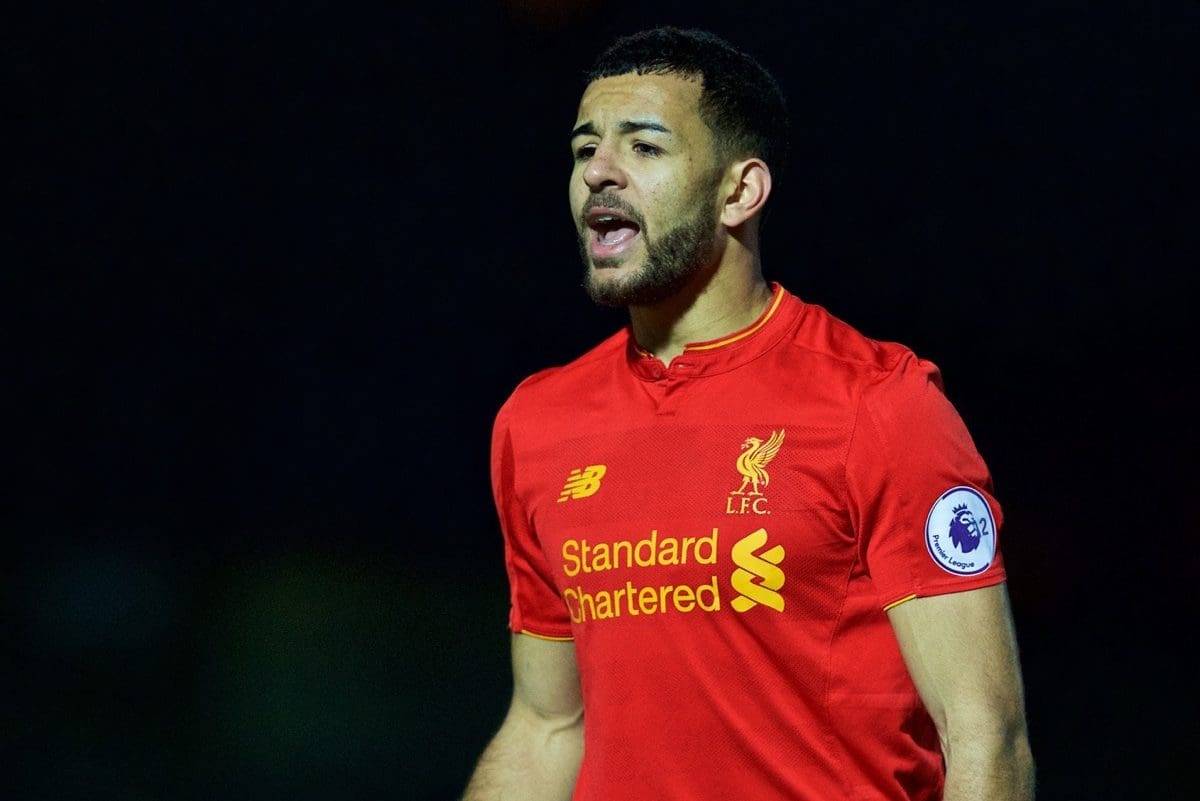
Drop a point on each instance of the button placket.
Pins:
(673, 385)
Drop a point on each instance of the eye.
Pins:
(584, 152)
(646, 148)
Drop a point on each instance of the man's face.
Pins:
(643, 188)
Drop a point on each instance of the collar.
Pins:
(724, 353)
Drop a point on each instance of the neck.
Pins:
(718, 301)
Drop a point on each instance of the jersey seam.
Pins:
(504, 500)
(846, 462)
(531, 632)
(834, 744)
(886, 443)
(514, 497)
(858, 362)
(966, 583)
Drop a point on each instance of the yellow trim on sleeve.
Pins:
(748, 331)
(897, 603)
(545, 636)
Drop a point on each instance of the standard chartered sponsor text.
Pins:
(581, 556)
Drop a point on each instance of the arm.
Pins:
(536, 753)
(961, 652)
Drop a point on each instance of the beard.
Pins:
(672, 260)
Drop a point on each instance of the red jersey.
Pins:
(721, 539)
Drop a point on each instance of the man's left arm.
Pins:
(961, 651)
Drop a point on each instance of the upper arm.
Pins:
(961, 651)
(535, 604)
(546, 677)
(919, 494)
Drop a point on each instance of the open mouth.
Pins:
(612, 233)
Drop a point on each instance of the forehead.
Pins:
(670, 98)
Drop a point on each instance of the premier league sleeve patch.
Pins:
(960, 533)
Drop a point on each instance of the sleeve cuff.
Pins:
(945, 588)
(551, 637)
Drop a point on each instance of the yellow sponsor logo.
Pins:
(581, 556)
(756, 579)
(752, 464)
(751, 566)
(633, 600)
(630, 599)
(582, 482)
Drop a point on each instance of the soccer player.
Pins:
(752, 553)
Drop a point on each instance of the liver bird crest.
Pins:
(753, 461)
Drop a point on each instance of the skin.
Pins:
(668, 179)
(971, 685)
(961, 652)
(960, 649)
(537, 751)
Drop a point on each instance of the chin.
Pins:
(615, 286)
(615, 268)
(615, 280)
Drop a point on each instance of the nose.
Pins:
(603, 171)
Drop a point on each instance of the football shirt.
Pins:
(721, 538)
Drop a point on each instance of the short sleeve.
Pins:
(920, 495)
(536, 607)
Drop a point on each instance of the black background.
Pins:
(275, 266)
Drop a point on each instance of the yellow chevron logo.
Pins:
(582, 482)
(753, 566)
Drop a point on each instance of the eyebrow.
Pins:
(625, 126)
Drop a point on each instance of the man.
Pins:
(752, 553)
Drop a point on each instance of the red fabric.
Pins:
(762, 665)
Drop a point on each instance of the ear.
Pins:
(749, 186)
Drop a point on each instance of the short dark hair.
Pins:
(740, 101)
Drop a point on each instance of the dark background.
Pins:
(275, 267)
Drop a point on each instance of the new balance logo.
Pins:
(582, 482)
(753, 566)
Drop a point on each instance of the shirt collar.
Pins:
(726, 352)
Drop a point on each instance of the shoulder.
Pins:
(559, 385)
(841, 351)
(892, 393)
